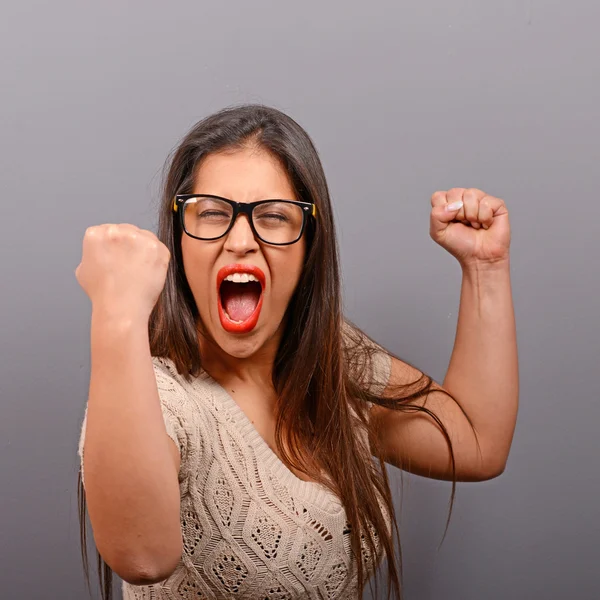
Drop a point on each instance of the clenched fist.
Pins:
(472, 225)
(123, 269)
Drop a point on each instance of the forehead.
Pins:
(244, 175)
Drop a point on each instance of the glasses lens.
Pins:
(207, 218)
(278, 222)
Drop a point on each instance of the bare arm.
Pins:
(482, 376)
(131, 465)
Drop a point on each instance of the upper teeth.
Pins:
(240, 277)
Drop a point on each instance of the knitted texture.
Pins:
(251, 528)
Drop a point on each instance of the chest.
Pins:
(259, 408)
(252, 528)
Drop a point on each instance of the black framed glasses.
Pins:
(277, 222)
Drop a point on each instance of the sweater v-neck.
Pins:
(310, 491)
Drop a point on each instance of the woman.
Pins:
(233, 413)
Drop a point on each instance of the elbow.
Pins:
(492, 468)
(492, 462)
(144, 576)
(144, 571)
(493, 471)
(484, 470)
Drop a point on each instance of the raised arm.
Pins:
(483, 371)
(130, 465)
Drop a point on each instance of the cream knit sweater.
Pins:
(251, 528)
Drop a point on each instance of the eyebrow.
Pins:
(293, 199)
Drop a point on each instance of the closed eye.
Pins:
(274, 216)
(207, 214)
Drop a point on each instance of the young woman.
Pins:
(233, 414)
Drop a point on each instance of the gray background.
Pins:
(402, 98)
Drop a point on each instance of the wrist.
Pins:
(480, 267)
(116, 338)
(486, 278)
(117, 319)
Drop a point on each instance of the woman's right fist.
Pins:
(123, 268)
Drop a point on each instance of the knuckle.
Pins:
(490, 201)
(112, 232)
(91, 232)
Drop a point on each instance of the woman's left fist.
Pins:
(471, 225)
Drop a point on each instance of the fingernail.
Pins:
(454, 206)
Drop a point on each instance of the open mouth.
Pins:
(240, 294)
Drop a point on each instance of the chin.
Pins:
(240, 347)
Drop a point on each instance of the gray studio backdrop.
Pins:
(402, 98)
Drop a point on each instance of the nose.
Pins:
(240, 239)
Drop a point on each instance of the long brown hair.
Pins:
(322, 372)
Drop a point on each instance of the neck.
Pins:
(223, 367)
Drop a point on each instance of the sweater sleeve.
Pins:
(172, 401)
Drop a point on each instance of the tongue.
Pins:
(240, 299)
